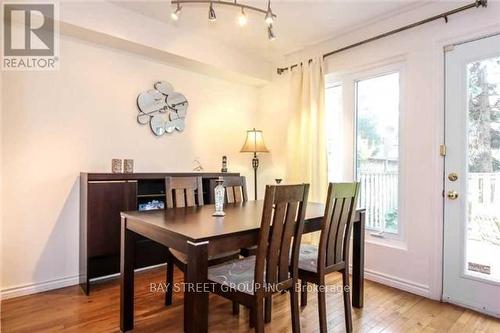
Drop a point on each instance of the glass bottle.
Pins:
(219, 192)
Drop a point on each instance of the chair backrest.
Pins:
(337, 224)
(281, 229)
(183, 192)
(236, 189)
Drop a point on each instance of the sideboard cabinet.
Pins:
(102, 197)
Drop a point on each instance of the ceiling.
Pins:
(298, 24)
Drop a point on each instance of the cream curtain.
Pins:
(306, 146)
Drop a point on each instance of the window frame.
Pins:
(349, 81)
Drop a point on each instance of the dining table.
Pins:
(197, 233)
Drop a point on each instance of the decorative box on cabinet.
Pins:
(102, 197)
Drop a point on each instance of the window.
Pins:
(377, 150)
(333, 102)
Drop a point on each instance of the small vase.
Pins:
(219, 193)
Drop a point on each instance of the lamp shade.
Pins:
(254, 142)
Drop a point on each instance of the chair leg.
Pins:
(251, 319)
(303, 293)
(268, 308)
(347, 300)
(323, 326)
(170, 281)
(236, 308)
(294, 306)
(259, 315)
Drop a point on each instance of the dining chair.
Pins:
(332, 254)
(185, 192)
(250, 280)
(236, 189)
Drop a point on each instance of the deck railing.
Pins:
(379, 195)
(483, 207)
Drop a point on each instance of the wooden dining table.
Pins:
(195, 232)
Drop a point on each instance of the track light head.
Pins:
(175, 15)
(242, 19)
(270, 32)
(269, 14)
(211, 13)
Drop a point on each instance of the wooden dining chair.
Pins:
(332, 254)
(236, 189)
(250, 280)
(185, 192)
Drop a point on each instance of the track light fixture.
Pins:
(175, 15)
(269, 17)
(211, 13)
(269, 14)
(242, 19)
(270, 33)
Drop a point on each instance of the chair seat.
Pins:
(212, 260)
(308, 257)
(236, 274)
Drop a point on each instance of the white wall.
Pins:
(272, 120)
(57, 124)
(415, 263)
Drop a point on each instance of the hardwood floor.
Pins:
(386, 310)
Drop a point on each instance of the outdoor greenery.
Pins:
(484, 117)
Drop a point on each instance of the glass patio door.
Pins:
(471, 270)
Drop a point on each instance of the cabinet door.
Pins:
(105, 202)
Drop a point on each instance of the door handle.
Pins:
(452, 195)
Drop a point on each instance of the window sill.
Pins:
(386, 240)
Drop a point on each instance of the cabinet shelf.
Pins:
(150, 195)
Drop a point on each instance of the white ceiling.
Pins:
(299, 23)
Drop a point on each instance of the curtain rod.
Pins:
(475, 4)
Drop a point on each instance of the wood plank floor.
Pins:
(386, 310)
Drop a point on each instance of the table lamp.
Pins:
(254, 143)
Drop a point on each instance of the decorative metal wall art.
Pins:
(162, 108)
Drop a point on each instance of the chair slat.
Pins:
(168, 193)
(230, 194)
(237, 194)
(339, 238)
(190, 200)
(288, 232)
(179, 197)
(275, 242)
(335, 220)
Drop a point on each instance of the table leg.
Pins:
(358, 262)
(127, 254)
(195, 295)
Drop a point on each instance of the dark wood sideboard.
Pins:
(102, 197)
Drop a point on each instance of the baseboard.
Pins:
(398, 283)
(35, 288)
(114, 276)
(40, 287)
(475, 307)
(391, 281)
